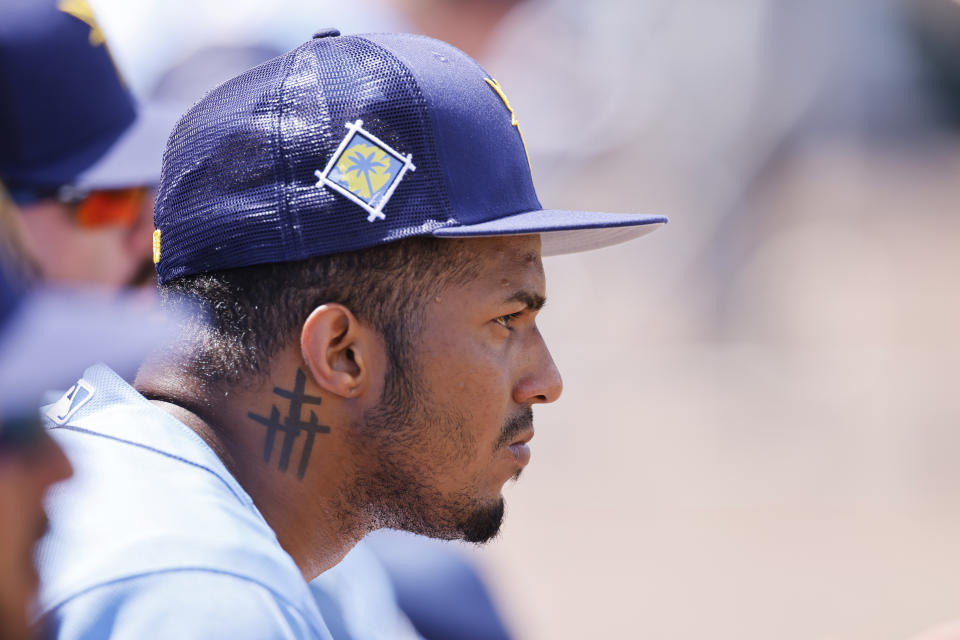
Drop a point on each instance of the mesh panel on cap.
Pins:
(360, 80)
(218, 183)
(238, 185)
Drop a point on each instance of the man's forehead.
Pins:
(512, 263)
(518, 252)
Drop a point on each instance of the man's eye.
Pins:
(507, 320)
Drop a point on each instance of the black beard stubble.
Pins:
(392, 491)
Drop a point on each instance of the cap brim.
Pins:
(53, 336)
(563, 231)
(135, 159)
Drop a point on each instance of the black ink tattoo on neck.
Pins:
(291, 425)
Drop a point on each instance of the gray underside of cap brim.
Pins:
(134, 159)
(54, 335)
(563, 231)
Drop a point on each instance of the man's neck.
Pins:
(277, 440)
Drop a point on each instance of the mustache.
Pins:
(516, 425)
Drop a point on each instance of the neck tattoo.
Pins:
(291, 425)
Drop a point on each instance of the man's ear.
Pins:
(338, 351)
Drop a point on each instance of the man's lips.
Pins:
(520, 449)
(523, 437)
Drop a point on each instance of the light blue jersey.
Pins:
(152, 537)
(358, 600)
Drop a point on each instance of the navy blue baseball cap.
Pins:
(66, 117)
(347, 142)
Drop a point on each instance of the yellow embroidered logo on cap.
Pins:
(365, 169)
(513, 116)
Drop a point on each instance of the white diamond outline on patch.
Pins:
(323, 179)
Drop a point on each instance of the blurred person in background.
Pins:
(78, 156)
(30, 462)
(71, 146)
(39, 350)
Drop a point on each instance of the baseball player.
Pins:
(357, 220)
(394, 585)
(77, 155)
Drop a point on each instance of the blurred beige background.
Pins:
(759, 432)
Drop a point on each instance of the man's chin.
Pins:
(483, 524)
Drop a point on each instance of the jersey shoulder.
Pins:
(148, 498)
(183, 604)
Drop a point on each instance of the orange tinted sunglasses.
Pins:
(108, 207)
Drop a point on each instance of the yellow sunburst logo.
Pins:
(366, 169)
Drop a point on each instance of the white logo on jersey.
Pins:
(71, 402)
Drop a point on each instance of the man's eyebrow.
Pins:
(534, 301)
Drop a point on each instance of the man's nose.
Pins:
(541, 383)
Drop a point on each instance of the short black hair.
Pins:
(245, 316)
